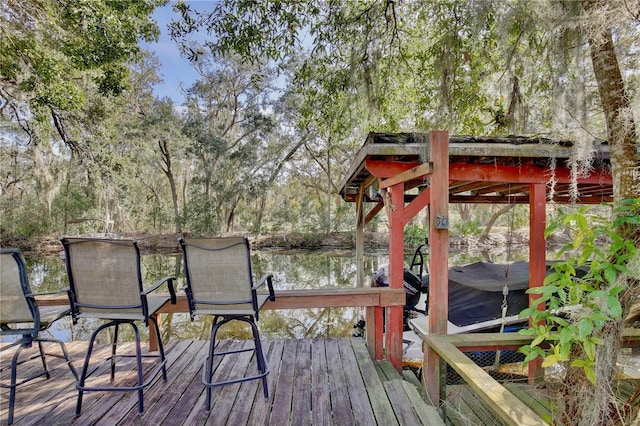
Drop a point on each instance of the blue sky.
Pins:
(175, 70)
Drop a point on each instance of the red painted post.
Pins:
(438, 256)
(537, 254)
(375, 331)
(396, 276)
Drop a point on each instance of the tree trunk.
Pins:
(272, 178)
(619, 118)
(465, 211)
(168, 171)
(624, 164)
(492, 221)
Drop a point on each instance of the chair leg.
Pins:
(12, 386)
(160, 346)
(208, 373)
(139, 362)
(138, 355)
(262, 362)
(67, 358)
(27, 342)
(83, 376)
(114, 346)
(85, 367)
(64, 351)
(43, 359)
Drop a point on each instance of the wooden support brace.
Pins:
(414, 173)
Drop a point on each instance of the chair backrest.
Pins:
(104, 275)
(218, 271)
(18, 305)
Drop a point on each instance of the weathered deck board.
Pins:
(161, 400)
(340, 403)
(403, 395)
(377, 396)
(301, 403)
(260, 410)
(464, 407)
(360, 405)
(324, 382)
(320, 402)
(538, 400)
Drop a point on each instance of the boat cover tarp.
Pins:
(476, 291)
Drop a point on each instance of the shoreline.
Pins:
(155, 243)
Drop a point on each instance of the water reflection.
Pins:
(293, 270)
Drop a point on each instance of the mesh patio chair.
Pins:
(106, 283)
(220, 283)
(20, 315)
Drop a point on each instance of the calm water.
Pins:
(292, 270)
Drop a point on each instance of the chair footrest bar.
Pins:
(230, 382)
(28, 379)
(152, 377)
(234, 351)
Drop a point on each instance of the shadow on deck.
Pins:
(311, 382)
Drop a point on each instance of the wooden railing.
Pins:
(370, 298)
(503, 403)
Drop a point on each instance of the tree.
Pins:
(63, 65)
(153, 130)
(616, 104)
(229, 121)
(590, 351)
(51, 50)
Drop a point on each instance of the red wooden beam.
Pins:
(375, 331)
(386, 169)
(415, 173)
(522, 174)
(417, 204)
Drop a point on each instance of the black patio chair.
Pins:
(106, 283)
(20, 315)
(220, 283)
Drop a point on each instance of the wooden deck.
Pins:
(311, 382)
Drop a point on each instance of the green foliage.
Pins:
(55, 54)
(471, 227)
(414, 235)
(24, 215)
(586, 287)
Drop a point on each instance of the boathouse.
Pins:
(404, 173)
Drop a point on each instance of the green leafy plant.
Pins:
(414, 234)
(468, 227)
(581, 293)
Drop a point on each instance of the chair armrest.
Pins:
(169, 281)
(48, 293)
(266, 279)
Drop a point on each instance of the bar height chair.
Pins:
(20, 315)
(220, 283)
(106, 283)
